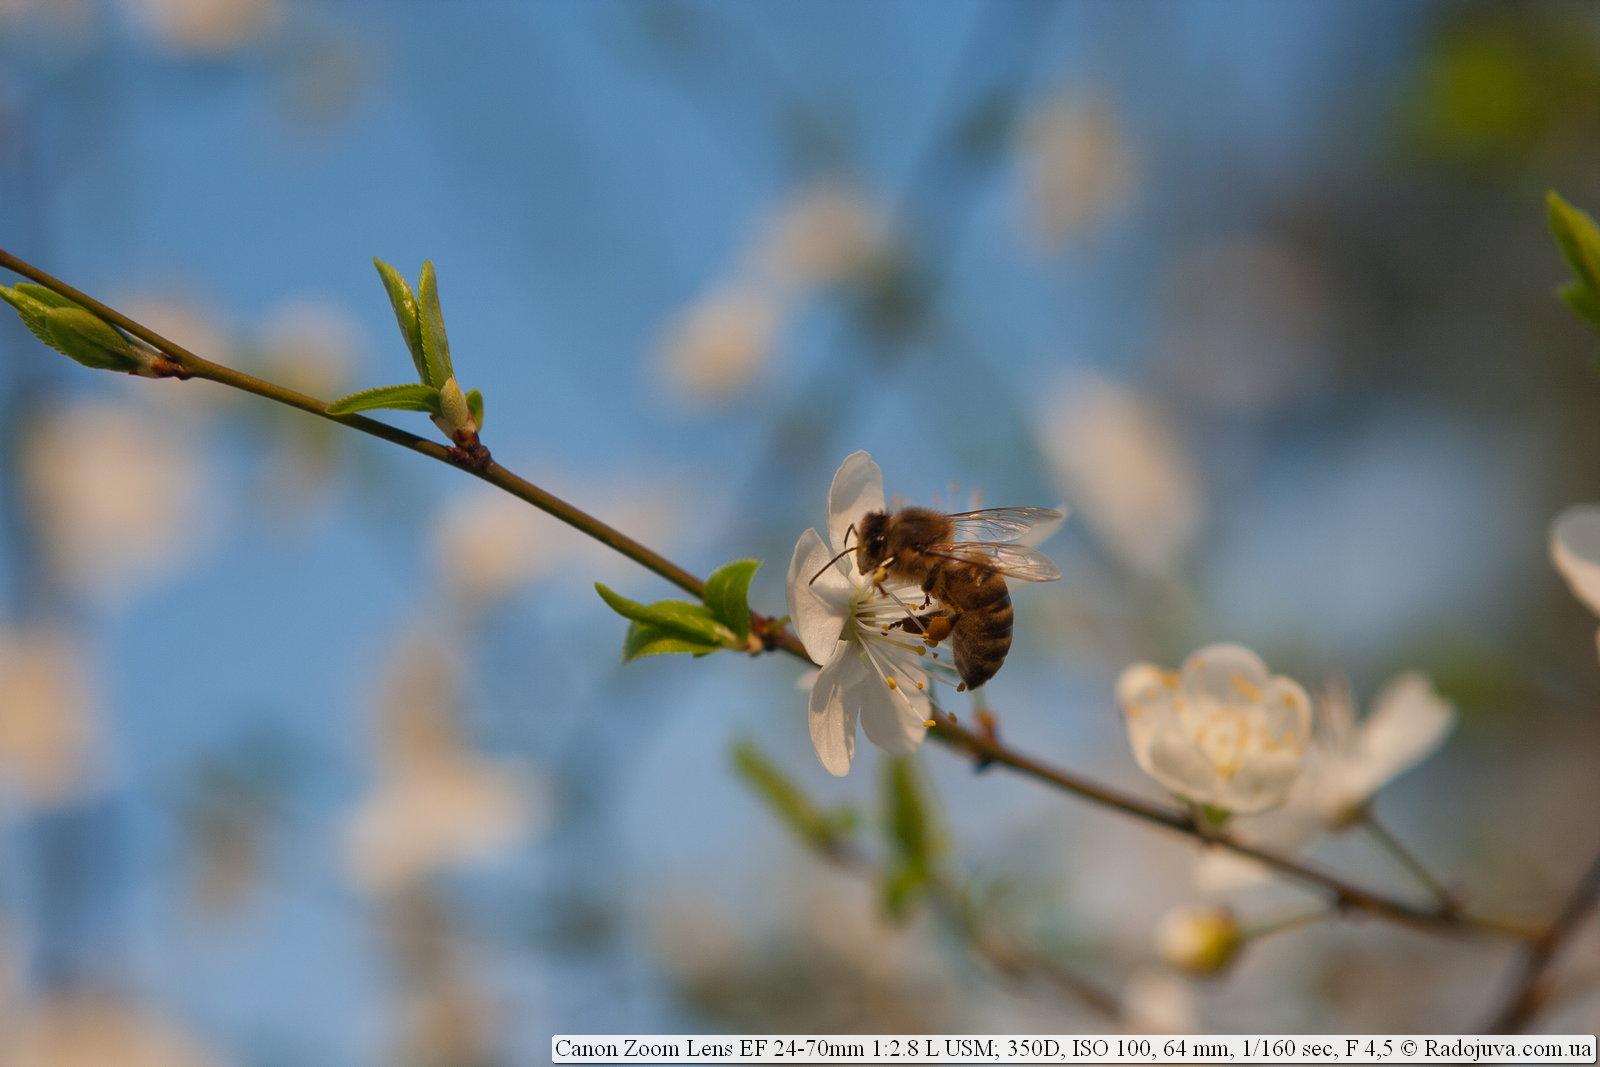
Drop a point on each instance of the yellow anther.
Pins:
(892, 683)
(1246, 688)
(929, 723)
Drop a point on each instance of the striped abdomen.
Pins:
(981, 632)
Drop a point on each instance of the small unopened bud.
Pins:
(90, 340)
(72, 330)
(455, 414)
(1199, 940)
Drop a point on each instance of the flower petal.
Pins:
(832, 714)
(1286, 714)
(1160, 746)
(1408, 721)
(817, 610)
(893, 718)
(1229, 675)
(1262, 781)
(1146, 702)
(1182, 766)
(1575, 549)
(857, 489)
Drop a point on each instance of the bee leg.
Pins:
(932, 628)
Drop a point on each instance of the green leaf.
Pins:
(405, 314)
(435, 346)
(727, 595)
(902, 888)
(1582, 301)
(89, 339)
(475, 406)
(825, 829)
(648, 639)
(672, 618)
(31, 311)
(1575, 231)
(913, 841)
(46, 296)
(906, 814)
(413, 396)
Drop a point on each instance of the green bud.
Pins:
(71, 330)
(455, 414)
(1199, 940)
(90, 340)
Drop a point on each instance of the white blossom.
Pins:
(1575, 548)
(1222, 732)
(869, 671)
(51, 719)
(714, 349)
(116, 494)
(1348, 762)
(93, 1029)
(435, 803)
(1122, 462)
(206, 27)
(1077, 167)
(826, 233)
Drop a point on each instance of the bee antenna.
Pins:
(843, 552)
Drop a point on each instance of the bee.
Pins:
(961, 560)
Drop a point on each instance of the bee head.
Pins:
(872, 545)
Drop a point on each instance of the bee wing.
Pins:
(1002, 524)
(1013, 561)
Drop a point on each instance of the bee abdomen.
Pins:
(982, 636)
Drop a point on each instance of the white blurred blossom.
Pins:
(1123, 463)
(1077, 167)
(487, 543)
(435, 804)
(187, 321)
(715, 347)
(85, 1030)
(115, 494)
(869, 672)
(309, 346)
(1156, 1001)
(1575, 549)
(1349, 761)
(205, 27)
(1222, 732)
(50, 721)
(825, 234)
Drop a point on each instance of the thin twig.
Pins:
(1409, 861)
(1530, 990)
(1344, 895)
(194, 366)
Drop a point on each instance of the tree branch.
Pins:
(984, 747)
(1530, 990)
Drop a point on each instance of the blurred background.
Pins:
(313, 751)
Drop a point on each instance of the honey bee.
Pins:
(962, 561)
